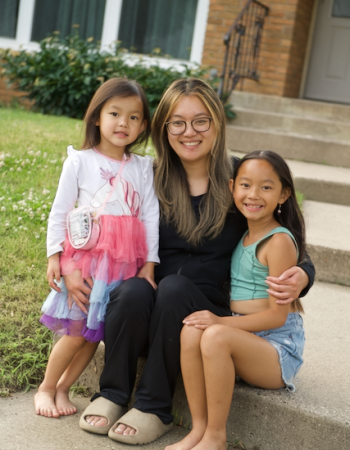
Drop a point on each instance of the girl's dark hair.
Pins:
(115, 87)
(170, 178)
(291, 216)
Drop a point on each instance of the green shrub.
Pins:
(62, 77)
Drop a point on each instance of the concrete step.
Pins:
(328, 240)
(317, 416)
(305, 126)
(289, 145)
(320, 182)
(291, 106)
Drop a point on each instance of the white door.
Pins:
(329, 67)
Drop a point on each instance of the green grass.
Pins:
(32, 148)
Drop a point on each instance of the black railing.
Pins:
(242, 47)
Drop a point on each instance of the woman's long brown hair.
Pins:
(171, 183)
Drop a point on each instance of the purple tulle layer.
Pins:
(73, 328)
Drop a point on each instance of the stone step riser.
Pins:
(291, 124)
(293, 147)
(297, 107)
(323, 191)
(332, 266)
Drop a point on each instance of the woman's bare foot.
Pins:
(188, 442)
(124, 430)
(64, 406)
(44, 403)
(97, 421)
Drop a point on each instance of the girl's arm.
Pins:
(65, 199)
(150, 218)
(150, 212)
(293, 283)
(281, 255)
(147, 272)
(53, 271)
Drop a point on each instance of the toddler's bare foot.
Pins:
(188, 442)
(44, 403)
(64, 406)
(211, 443)
(97, 421)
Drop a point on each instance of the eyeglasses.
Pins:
(179, 126)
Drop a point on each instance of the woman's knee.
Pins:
(173, 291)
(132, 296)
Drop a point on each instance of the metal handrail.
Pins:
(242, 47)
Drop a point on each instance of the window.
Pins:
(61, 15)
(8, 18)
(150, 24)
(341, 8)
(176, 27)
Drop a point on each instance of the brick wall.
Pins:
(6, 94)
(283, 45)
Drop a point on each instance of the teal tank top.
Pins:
(247, 273)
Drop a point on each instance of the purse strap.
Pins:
(109, 195)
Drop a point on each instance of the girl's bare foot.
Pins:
(44, 403)
(188, 442)
(64, 406)
(214, 442)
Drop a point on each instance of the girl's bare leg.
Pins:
(193, 378)
(70, 375)
(228, 352)
(60, 358)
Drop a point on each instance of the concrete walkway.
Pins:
(316, 417)
(22, 429)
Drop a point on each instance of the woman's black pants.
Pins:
(139, 317)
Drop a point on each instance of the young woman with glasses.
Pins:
(199, 230)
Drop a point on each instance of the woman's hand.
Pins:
(147, 272)
(287, 287)
(54, 271)
(201, 319)
(78, 289)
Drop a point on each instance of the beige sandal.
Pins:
(104, 408)
(148, 428)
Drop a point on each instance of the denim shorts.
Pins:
(289, 341)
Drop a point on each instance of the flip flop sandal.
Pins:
(148, 428)
(104, 408)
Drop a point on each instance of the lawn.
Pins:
(32, 149)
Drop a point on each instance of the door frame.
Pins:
(309, 45)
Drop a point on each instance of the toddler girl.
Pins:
(216, 349)
(117, 185)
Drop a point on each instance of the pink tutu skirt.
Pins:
(120, 253)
